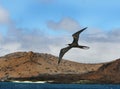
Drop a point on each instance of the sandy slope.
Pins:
(28, 64)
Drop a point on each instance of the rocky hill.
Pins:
(30, 64)
(108, 73)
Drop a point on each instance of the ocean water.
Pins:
(10, 85)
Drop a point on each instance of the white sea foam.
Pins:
(29, 81)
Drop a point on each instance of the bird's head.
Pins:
(69, 44)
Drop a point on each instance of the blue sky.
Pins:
(103, 14)
(54, 19)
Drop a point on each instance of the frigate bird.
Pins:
(74, 44)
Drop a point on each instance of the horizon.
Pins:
(46, 26)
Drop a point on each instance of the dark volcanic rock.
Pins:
(108, 73)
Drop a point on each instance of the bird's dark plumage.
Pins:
(62, 52)
(73, 44)
(76, 35)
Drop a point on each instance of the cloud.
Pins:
(5, 21)
(9, 48)
(35, 40)
(102, 36)
(1, 37)
(114, 35)
(101, 50)
(98, 52)
(104, 46)
(20, 41)
(64, 24)
(17, 39)
(4, 16)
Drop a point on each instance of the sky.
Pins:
(46, 26)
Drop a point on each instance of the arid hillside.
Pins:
(108, 73)
(29, 64)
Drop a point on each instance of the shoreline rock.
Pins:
(30, 66)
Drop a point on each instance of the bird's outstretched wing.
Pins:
(83, 47)
(76, 35)
(62, 52)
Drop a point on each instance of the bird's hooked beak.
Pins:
(68, 44)
(84, 28)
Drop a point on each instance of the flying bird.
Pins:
(74, 44)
